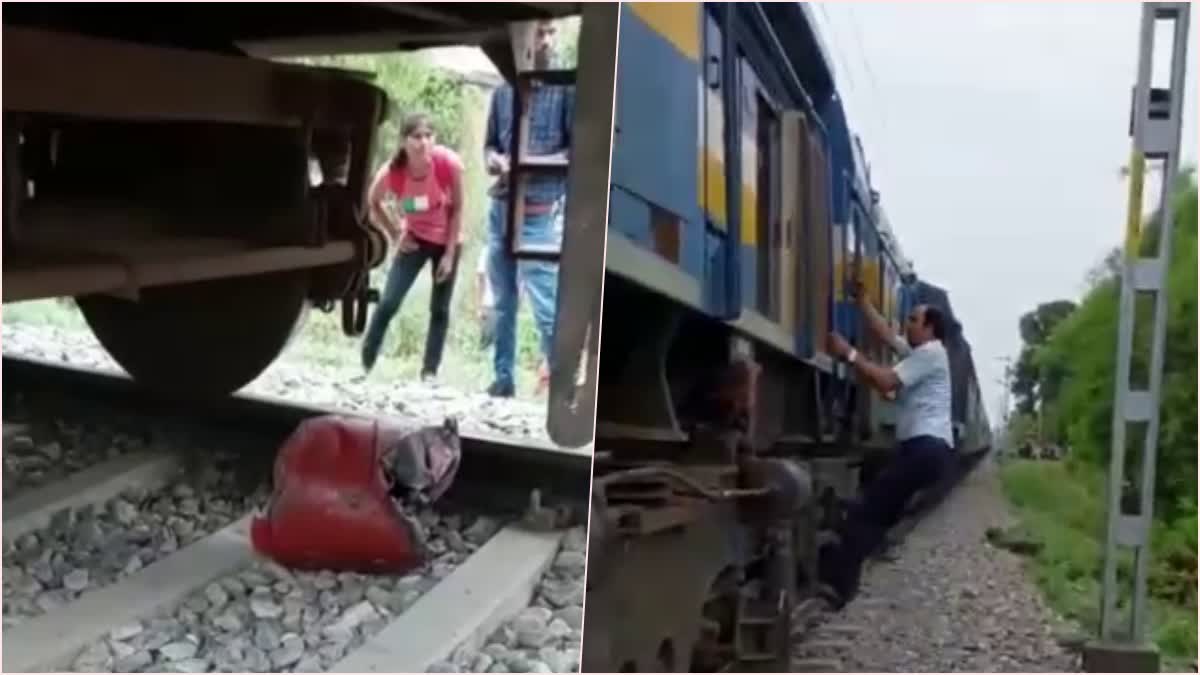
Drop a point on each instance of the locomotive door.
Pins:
(793, 195)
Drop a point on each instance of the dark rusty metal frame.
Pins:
(85, 66)
(646, 534)
(668, 500)
(576, 341)
(672, 526)
(50, 74)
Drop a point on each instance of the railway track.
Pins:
(127, 549)
(822, 640)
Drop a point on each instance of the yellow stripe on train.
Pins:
(712, 188)
(678, 22)
(749, 222)
(868, 276)
(711, 183)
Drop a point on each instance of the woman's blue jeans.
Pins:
(404, 271)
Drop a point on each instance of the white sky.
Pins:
(995, 132)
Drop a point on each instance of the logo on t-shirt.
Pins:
(417, 204)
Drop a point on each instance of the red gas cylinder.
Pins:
(331, 508)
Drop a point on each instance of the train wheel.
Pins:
(205, 339)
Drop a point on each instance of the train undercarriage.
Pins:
(193, 197)
(706, 528)
(176, 207)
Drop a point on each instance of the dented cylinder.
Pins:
(790, 483)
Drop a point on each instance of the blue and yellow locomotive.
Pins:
(741, 207)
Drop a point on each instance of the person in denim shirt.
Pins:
(551, 111)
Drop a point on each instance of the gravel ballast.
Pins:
(86, 548)
(546, 636)
(266, 618)
(44, 449)
(949, 602)
(262, 618)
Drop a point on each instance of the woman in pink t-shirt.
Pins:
(425, 179)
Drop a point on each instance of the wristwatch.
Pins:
(852, 356)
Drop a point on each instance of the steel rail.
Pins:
(507, 469)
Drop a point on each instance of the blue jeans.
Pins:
(404, 271)
(539, 278)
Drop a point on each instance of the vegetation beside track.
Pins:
(1063, 384)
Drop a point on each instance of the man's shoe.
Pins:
(832, 597)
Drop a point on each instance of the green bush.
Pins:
(1064, 502)
(1083, 346)
(1060, 505)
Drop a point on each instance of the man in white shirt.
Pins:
(920, 383)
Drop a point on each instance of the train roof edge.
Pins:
(818, 42)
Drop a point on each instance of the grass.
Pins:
(1061, 506)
